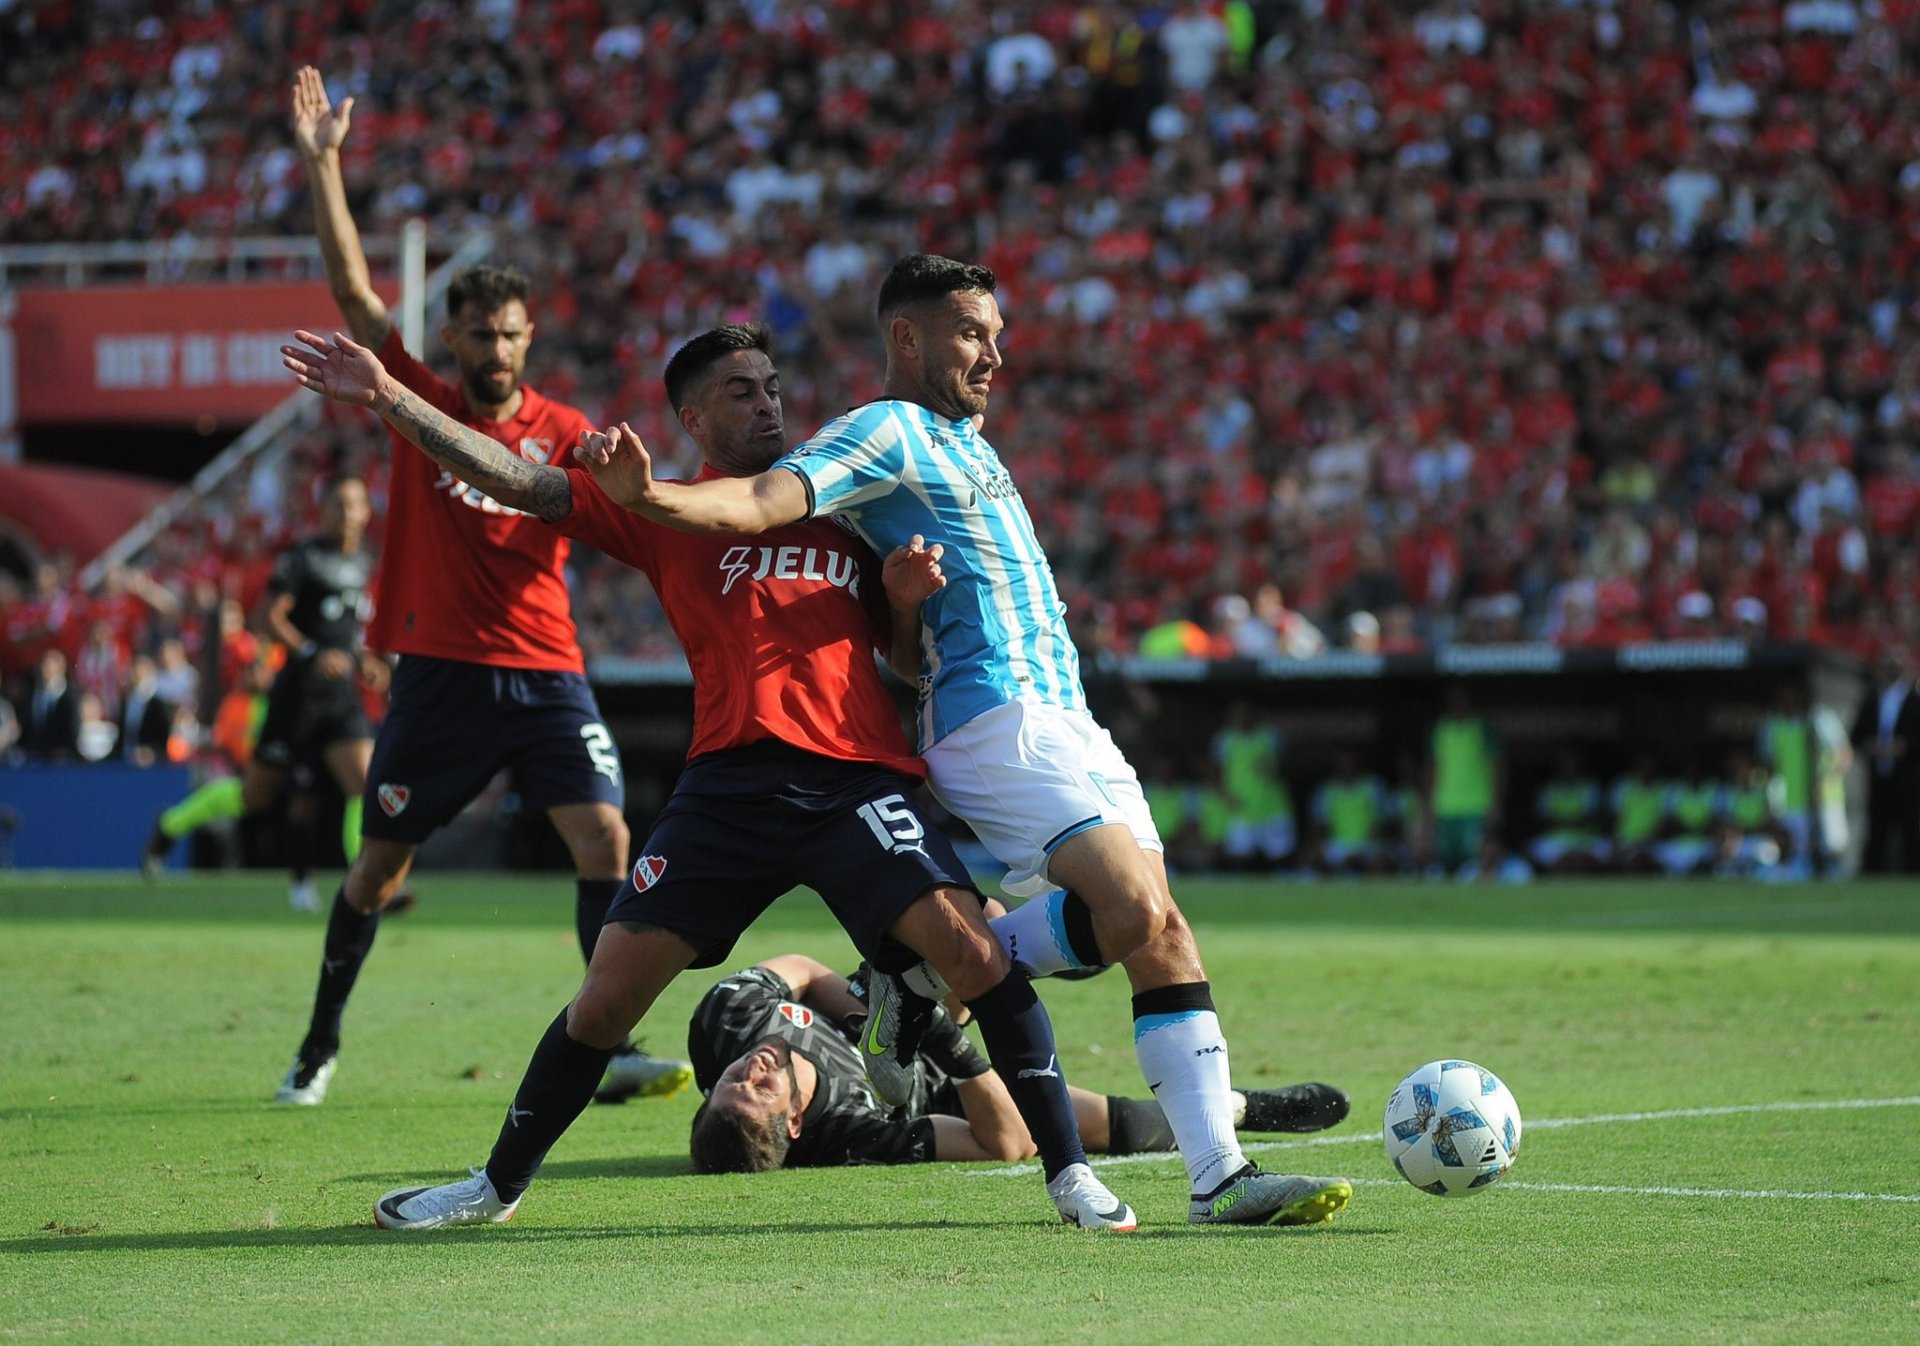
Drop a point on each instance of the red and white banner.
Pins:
(177, 354)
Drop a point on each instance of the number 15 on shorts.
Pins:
(895, 825)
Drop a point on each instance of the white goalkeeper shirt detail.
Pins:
(997, 632)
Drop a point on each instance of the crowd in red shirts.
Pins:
(1399, 324)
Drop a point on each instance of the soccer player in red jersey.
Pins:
(472, 596)
(799, 772)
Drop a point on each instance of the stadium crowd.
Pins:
(1332, 322)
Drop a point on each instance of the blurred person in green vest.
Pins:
(1260, 830)
(1695, 803)
(1190, 815)
(1467, 776)
(1570, 810)
(1752, 837)
(1351, 811)
(1639, 803)
(1807, 749)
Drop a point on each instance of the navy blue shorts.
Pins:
(306, 715)
(744, 825)
(451, 726)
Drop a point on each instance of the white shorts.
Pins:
(1026, 776)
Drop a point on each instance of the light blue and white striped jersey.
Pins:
(998, 631)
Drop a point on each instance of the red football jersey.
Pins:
(462, 576)
(779, 629)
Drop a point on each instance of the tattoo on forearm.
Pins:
(540, 490)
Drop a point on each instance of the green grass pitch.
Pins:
(1721, 1085)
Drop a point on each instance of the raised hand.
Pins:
(620, 463)
(336, 367)
(912, 573)
(318, 127)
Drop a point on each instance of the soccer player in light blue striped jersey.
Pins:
(1004, 726)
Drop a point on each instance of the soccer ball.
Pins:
(1452, 1128)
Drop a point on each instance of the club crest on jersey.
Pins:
(537, 451)
(797, 1015)
(647, 871)
(790, 563)
(393, 799)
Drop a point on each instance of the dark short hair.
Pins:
(732, 1142)
(922, 277)
(487, 288)
(704, 351)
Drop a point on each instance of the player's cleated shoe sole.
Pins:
(1084, 1201)
(897, 1018)
(305, 1086)
(634, 1074)
(470, 1202)
(1296, 1108)
(1253, 1197)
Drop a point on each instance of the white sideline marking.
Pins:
(1555, 1124)
(1609, 1190)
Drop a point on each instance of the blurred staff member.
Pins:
(1886, 733)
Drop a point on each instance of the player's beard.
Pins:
(481, 387)
(962, 399)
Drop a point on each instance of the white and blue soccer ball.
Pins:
(1452, 1128)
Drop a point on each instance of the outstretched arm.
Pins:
(725, 505)
(338, 368)
(318, 130)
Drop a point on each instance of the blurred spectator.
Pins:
(1467, 283)
(146, 720)
(1807, 748)
(1696, 802)
(1569, 811)
(95, 736)
(50, 727)
(1260, 833)
(1351, 814)
(1886, 735)
(1638, 801)
(1753, 838)
(1466, 782)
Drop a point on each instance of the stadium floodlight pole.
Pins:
(413, 283)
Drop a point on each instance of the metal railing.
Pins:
(181, 259)
(274, 433)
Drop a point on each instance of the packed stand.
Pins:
(1332, 323)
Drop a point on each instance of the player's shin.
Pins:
(557, 1087)
(1019, 1038)
(591, 899)
(350, 933)
(1177, 1041)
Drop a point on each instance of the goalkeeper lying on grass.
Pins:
(773, 1051)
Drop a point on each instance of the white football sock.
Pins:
(1184, 1059)
(1035, 934)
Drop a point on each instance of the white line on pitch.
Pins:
(1552, 1124)
(1608, 1189)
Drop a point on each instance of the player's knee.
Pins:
(599, 845)
(597, 1019)
(972, 966)
(1138, 917)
